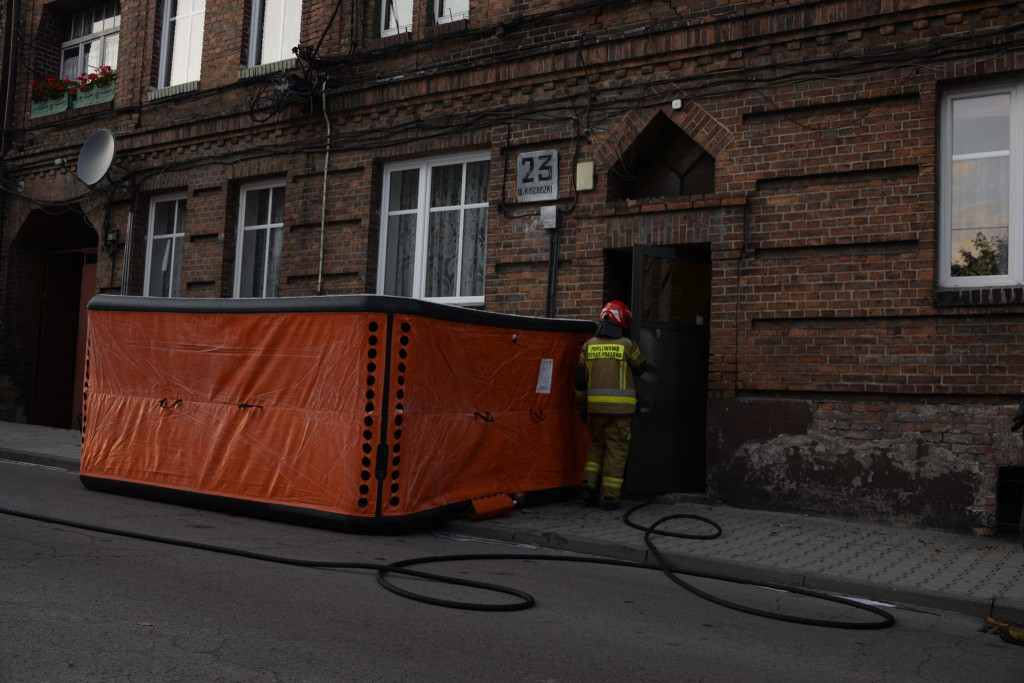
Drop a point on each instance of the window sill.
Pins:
(247, 72)
(693, 202)
(392, 40)
(979, 296)
(171, 91)
(420, 33)
(445, 27)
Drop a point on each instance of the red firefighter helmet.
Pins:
(618, 313)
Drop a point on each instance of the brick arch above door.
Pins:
(691, 118)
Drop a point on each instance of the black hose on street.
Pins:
(523, 600)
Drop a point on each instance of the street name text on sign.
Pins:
(537, 174)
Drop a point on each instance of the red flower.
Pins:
(51, 88)
(104, 76)
(54, 88)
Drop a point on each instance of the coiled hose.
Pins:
(523, 600)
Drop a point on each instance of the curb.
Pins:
(55, 461)
(1003, 609)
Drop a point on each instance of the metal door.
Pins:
(671, 296)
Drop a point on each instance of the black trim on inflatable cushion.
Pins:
(278, 513)
(315, 518)
(548, 496)
(381, 466)
(351, 303)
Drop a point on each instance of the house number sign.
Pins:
(538, 176)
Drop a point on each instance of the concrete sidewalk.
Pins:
(979, 576)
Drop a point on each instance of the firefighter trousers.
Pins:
(606, 459)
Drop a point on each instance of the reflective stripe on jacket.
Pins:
(609, 363)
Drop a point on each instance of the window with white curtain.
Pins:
(260, 228)
(181, 44)
(275, 30)
(450, 10)
(981, 186)
(92, 39)
(165, 246)
(434, 229)
(396, 17)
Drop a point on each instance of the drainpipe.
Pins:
(7, 79)
(552, 274)
(323, 198)
(549, 221)
(126, 257)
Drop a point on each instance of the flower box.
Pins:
(96, 94)
(54, 105)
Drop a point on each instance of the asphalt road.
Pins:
(80, 605)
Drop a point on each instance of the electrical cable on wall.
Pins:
(717, 84)
(604, 106)
(323, 197)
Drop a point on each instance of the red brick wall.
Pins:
(821, 117)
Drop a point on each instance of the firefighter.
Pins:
(606, 398)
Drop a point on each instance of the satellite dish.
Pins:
(96, 156)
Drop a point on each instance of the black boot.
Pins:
(588, 496)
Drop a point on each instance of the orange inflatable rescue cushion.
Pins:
(365, 413)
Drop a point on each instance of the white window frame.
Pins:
(106, 39)
(280, 26)
(194, 59)
(1015, 241)
(385, 17)
(422, 213)
(243, 229)
(180, 204)
(443, 16)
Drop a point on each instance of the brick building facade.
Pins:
(814, 209)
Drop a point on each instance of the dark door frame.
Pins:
(54, 383)
(668, 450)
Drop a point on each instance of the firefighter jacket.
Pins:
(607, 365)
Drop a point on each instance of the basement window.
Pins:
(663, 161)
(1009, 499)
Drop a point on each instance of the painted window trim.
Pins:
(167, 46)
(160, 93)
(80, 41)
(256, 25)
(172, 197)
(1015, 266)
(242, 229)
(402, 28)
(441, 18)
(248, 72)
(422, 212)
